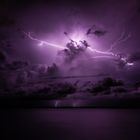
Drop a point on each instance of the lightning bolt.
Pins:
(101, 52)
(124, 36)
(42, 42)
(105, 54)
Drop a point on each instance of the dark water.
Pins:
(70, 124)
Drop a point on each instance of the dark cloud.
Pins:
(2, 57)
(134, 57)
(96, 31)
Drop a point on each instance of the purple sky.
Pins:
(48, 20)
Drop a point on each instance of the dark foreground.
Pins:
(70, 124)
(92, 102)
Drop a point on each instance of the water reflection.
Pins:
(71, 124)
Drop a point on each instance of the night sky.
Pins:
(48, 20)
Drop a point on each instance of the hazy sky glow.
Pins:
(38, 33)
